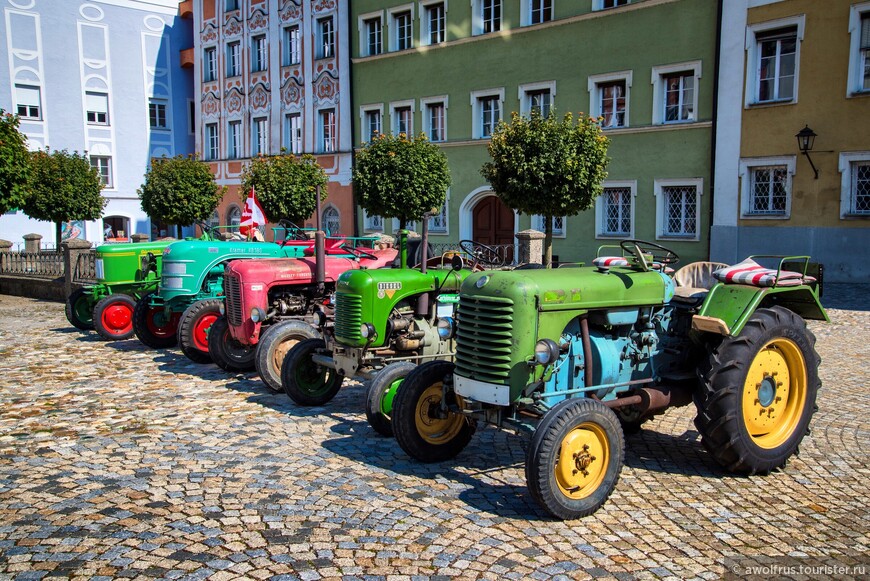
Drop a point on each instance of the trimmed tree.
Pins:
(398, 177)
(285, 185)
(179, 190)
(63, 186)
(14, 163)
(546, 166)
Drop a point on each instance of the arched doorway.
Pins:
(492, 222)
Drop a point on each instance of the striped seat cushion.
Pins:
(610, 261)
(751, 273)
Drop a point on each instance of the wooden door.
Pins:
(493, 222)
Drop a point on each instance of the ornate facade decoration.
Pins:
(259, 20)
(209, 34)
(291, 94)
(210, 106)
(233, 26)
(326, 89)
(321, 6)
(259, 98)
(234, 102)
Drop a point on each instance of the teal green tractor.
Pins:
(386, 322)
(577, 356)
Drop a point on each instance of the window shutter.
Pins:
(97, 103)
(865, 32)
(27, 96)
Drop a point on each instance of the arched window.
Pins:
(331, 221)
(234, 218)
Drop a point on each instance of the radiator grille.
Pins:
(348, 317)
(233, 299)
(484, 337)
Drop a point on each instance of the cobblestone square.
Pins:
(121, 461)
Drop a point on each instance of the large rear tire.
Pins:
(152, 326)
(758, 392)
(225, 351)
(79, 310)
(423, 429)
(274, 346)
(193, 329)
(381, 393)
(303, 380)
(575, 457)
(113, 317)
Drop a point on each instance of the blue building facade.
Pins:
(103, 77)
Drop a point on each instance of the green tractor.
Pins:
(576, 356)
(386, 321)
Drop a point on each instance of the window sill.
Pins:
(859, 94)
(764, 217)
(855, 216)
(678, 237)
(777, 103)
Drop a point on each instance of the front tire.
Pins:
(193, 329)
(151, 325)
(79, 310)
(274, 346)
(225, 351)
(113, 317)
(423, 429)
(381, 394)
(303, 380)
(758, 392)
(575, 457)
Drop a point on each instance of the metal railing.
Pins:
(84, 270)
(32, 264)
(505, 252)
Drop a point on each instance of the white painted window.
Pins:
(433, 26)
(372, 223)
(435, 117)
(97, 107)
(678, 208)
(372, 120)
(859, 48)
(402, 24)
(609, 98)
(260, 137)
(371, 36)
(558, 225)
(766, 187)
(537, 97)
(293, 133)
(614, 210)
(231, 5)
(234, 139)
(675, 92)
(157, 114)
(211, 141)
(234, 59)
(540, 11)
(603, 4)
(438, 222)
(103, 165)
(209, 64)
(331, 220)
(290, 48)
(402, 117)
(773, 60)
(487, 16)
(325, 37)
(259, 53)
(27, 102)
(486, 108)
(855, 185)
(410, 225)
(326, 130)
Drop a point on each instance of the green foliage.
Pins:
(63, 186)
(285, 185)
(397, 177)
(545, 166)
(179, 190)
(14, 163)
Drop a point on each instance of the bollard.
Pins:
(531, 247)
(32, 243)
(138, 237)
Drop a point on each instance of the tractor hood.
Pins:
(128, 263)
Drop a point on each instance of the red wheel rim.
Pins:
(167, 329)
(117, 318)
(200, 331)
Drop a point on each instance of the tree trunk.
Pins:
(178, 232)
(403, 223)
(548, 241)
(58, 233)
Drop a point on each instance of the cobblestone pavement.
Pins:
(120, 461)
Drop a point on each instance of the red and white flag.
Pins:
(253, 216)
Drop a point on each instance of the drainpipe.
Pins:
(716, 58)
(352, 122)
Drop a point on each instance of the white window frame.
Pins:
(856, 59)
(327, 141)
(292, 143)
(234, 139)
(29, 91)
(599, 5)
(524, 94)
(211, 141)
(745, 170)
(410, 225)
(478, 25)
(444, 215)
(290, 45)
(846, 159)
(325, 37)
(593, 85)
(158, 103)
(259, 53)
(658, 185)
(526, 13)
(364, 112)
(234, 59)
(425, 103)
(394, 118)
(538, 224)
(372, 223)
(659, 90)
(362, 25)
(477, 111)
(103, 161)
(259, 136)
(394, 13)
(231, 5)
(750, 95)
(209, 65)
(425, 22)
(98, 104)
(601, 216)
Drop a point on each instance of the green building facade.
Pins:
(452, 69)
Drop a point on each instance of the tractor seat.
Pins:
(695, 280)
(751, 273)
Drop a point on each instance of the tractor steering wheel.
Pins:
(641, 249)
(359, 252)
(293, 232)
(482, 254)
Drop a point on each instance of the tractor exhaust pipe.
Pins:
(423, 301)
(319, 247)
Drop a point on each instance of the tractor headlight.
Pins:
(223, 310)
(367, 330)
(446, 327)
(258, 314)
(546, 351)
